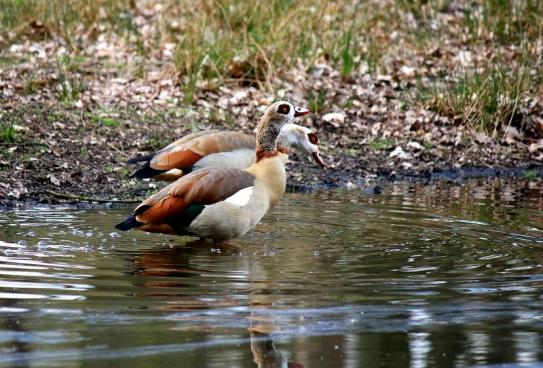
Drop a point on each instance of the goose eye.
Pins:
(313, 138)
(283, 109)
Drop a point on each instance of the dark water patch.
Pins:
(420, 275)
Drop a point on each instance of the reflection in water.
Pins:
(479, 344)
(419, 347)
(167, 264)
(265, 354)
(527, 345)
(13, 324)
(420, 276)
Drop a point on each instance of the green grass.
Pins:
(227, 39)
(489, 96)
(427, 145)
(252, 43)
(71, 85)
(70, 89)
(8, 133)
(510, 21)
(71, 63)
(30, 87)
(110, 122)
(156, 140)
(352, 152)
(316, 100)
(62, 18)
(382, 144)
(105, 117)
(8, 60)
(347, 55)
(484, 100)
(531, 175)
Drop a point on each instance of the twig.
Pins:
(160, 115)
(24, 144)
(122, 153)
(89, 199)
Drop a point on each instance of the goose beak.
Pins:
(318, 159)
(300, 112)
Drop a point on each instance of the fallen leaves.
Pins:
(399, 153)
(133, 100)
(336, 119)
(536, 146)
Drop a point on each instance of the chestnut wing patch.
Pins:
(173, 208)
(175, 158)
(184, 153)
(184, 156)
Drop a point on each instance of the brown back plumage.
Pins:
(185, 153)
(203, 187)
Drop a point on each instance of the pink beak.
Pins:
(298, 111)
(318, 159)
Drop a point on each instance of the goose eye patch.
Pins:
(284, 109)
(313, 138)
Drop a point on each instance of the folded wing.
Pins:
(187, 151)
(172, 209)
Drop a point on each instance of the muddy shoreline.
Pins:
(69, 155)
(333, 180)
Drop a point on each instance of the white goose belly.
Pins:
(240, 158)
(232, 217)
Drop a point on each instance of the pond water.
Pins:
(420, 275)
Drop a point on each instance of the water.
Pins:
(438, 275)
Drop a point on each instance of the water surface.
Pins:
(436, 275)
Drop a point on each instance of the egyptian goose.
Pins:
(227, 149)
(222, 203)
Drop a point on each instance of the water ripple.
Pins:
(435, 271)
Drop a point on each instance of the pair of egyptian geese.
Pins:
(224, 182)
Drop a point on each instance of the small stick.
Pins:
(24, 144)
(118, 150)
(160, 115)
(89, 199)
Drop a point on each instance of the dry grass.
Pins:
(253, 43)
(65, 19)
(221, 39)
(492, 91)
(484, 99)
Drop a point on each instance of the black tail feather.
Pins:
(146, 171)
(128, 224)
(147, 158)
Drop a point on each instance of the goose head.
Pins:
(301, 138)
(274, 119)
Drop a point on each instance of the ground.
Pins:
(73, 110)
